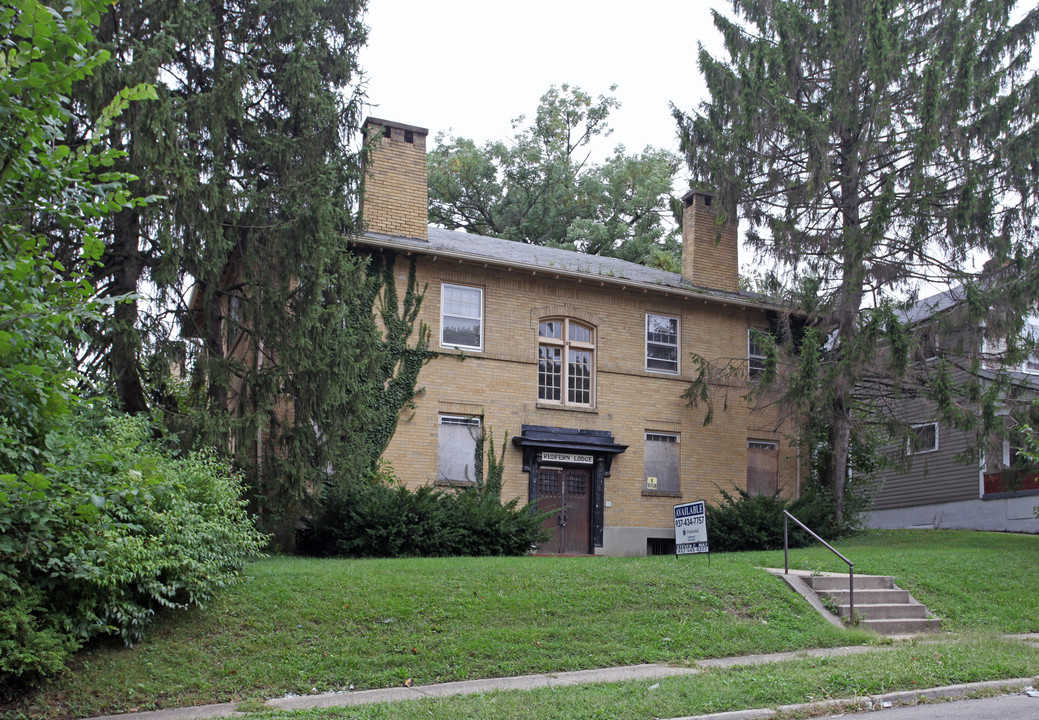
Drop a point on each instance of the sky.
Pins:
(469, 67)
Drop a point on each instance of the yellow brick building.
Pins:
(582, 361)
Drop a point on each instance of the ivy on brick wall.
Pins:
(395, 384)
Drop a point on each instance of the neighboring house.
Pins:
(581, 360)
(943, 477)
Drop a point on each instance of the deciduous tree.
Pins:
(542, 187)
(44, 183)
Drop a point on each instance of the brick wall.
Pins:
(500, 384)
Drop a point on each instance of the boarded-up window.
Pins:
(762, 467)
(456, 450)
(662, 462)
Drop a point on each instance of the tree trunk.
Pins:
(126, 267)
(214, 354)
(840, 441)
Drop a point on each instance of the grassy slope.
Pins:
(305, 625)
(973, 581)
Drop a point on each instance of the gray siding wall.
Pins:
(927, 478)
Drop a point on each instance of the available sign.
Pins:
(691, 528)
(550, 457)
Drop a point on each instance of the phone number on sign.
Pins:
(690, 548)
(689, 521)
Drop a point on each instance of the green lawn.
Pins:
(973, 581)
(317, 625)
(913, 666)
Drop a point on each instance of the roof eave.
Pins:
(392, 243)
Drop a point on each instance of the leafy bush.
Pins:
(113, 529)
(755, 522)
(383, 518)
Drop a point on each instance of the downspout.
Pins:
(797, 473)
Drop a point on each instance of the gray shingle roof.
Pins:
(508, 253)
(930, 306)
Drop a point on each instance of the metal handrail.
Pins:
(786, 558)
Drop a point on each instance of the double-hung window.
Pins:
(922, 439)
(1032, 361)
(755, 352)
(566, 362)
(661, 343)
(461, 317)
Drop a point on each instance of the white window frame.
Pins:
(1030, 366)
(472, 421)
(762, 445)
(923, 451)
(677, 344)
(754, 369)
(480, 317)
(566, 345)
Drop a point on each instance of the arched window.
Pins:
(566, 362)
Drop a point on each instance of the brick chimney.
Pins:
(395, 199)
(707, 260)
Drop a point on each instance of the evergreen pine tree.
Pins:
(872, 147)
(248, 147)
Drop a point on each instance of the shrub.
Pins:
(32, 642)
(383, 518)
(755, 522)
(112, 530)
(745, 522)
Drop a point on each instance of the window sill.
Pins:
(662, 493)
(1009, 494)
(570, 408)
(455, 483)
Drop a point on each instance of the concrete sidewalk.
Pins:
(874, 703)
(563, 679)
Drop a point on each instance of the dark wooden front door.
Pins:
(567, 494)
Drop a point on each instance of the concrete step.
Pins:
(822, 583)
(905, 626)
(887, 611)
(880, 605)
(868, 597)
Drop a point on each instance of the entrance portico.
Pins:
(567, 469)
